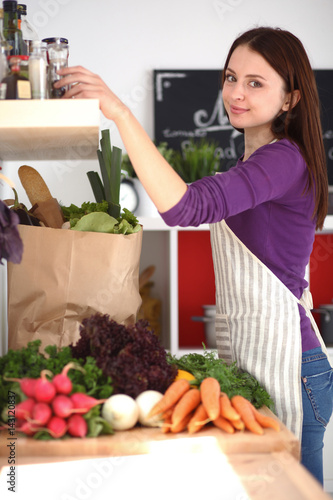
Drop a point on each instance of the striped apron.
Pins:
(258, 323)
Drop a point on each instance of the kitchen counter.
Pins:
(239, 466)
(142, 440)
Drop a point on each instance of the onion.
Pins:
(146, 401)
(121, 412)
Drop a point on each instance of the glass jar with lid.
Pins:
(58, 58)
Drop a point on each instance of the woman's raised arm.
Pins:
(162, 183)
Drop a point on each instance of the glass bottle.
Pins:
(4, 52)
(3, 41)
(18, 86)
(11, 32)
(58, 58)
(37, 70)
(29, 33)
(3, 73)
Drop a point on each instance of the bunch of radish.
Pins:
(51, 406)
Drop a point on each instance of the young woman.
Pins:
(263, 214)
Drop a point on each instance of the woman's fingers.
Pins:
(77, 74)
(86, 85)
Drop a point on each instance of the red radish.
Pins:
(44, 389)
(77, 426)
(24, 409)
(83, 402)
(57, 427)
(19, 422)
(28, 428)
(41, 414)
(62, 382)
(27, 385)
(62, 406)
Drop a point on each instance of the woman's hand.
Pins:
(87, 85)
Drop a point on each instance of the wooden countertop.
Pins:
(141, 440)
(262, 467)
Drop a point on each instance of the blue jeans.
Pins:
(317, 395)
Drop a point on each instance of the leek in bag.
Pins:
(106, 190)
(110, 165)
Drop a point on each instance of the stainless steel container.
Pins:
(209, 320)
(326, 322)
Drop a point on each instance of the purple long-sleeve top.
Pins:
(264, 201)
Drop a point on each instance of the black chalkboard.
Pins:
(188, 105)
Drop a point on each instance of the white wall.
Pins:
(124, 40)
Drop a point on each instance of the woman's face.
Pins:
(253, 92)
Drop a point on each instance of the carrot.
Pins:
(238, 424)
(198, 420)
(182, 424)
(265, 421)
(227, 410)
(166, 426)
(187, 403)
(171, 396)
(224, 424)
(243, 407)
(210, 396)
(167, 413)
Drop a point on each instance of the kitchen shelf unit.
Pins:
(50, 129)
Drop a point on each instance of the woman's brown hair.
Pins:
(300, 124)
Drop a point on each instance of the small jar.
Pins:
(37, 70)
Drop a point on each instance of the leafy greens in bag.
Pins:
(95, 217)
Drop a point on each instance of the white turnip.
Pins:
(146, 401)
(121, 412)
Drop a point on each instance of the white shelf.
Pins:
(157, 224)
(328, 226)
(50, 129)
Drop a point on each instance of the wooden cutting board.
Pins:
(141, 440)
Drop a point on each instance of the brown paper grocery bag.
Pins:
(66, 276)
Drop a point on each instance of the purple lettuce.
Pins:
(11, 245)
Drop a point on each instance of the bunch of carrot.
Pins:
(184, 406)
